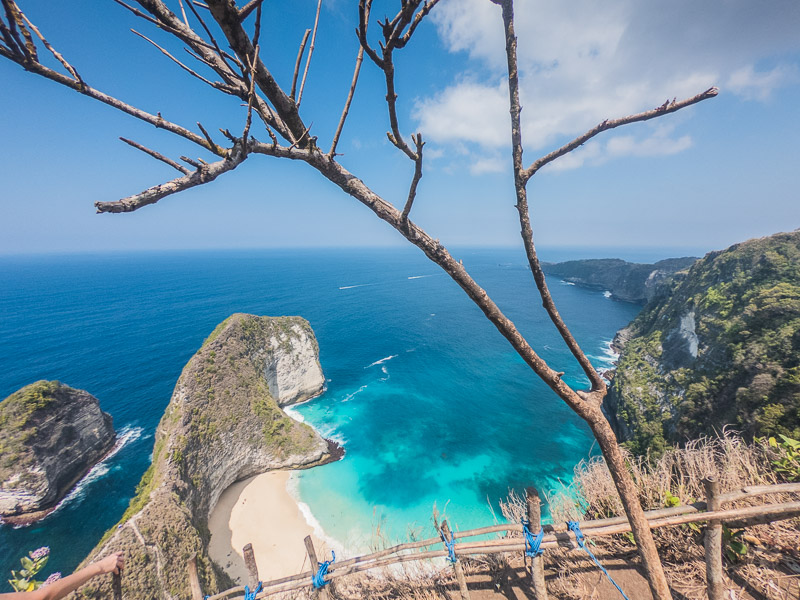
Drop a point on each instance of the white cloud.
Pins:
(582, 62)
(753, 85)
(489, 165)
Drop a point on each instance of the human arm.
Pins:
(112, 563)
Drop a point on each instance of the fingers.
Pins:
(113, 563)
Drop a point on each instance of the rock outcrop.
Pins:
(51, 435)
(223, 424)
(723, 348)
(630, 282)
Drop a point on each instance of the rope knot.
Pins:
(248, 595)
(319, 579)
(532, 543)
(450, 545)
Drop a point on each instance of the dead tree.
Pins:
(238, 70)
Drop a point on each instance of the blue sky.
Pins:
(704, 178)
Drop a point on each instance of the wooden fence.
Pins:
(711, 511)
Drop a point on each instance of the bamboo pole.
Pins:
(322, 593)
(713, 542)
(534, 505)
(250, 564)
(194, 580)
(457, 567)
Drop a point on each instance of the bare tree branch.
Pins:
(310, 53)
(346, 109)
(251, 94)
(223, 55)
(16, 26)
(426, 8)
(157, 156)
(364, 7)
(300, 52)
(52, 50)
(183, 12)
(288, 121)
(664, 109)
(204, 174)
(412, 192)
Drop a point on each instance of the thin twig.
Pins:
(297, 63)
(157, 156)
(412, 192)
(364, 8)
(191, 161)
(215, 84)
(248, 8)
(59, 57)
(183, 12)
(251, 94)
(310, 53)
(207, 136)
(223, 55)
(664, 109)
(16, 23)
(346, 109)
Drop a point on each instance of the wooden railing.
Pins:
(710, 511)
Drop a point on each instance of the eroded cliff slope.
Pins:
(223, 424)
(50, 436)
(722, 349)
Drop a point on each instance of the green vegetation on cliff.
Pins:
(722, 349)
(222, 425)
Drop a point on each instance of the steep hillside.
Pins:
(50, 436)
(631, 282)
(223, 424)
(722, 349)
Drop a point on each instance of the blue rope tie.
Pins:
(532, 542)
(573, 526)
(319, 579)
(248, 595)
(451, 546)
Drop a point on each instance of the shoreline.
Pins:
(261, 511)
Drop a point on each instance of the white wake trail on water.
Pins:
(126, 436)
(420, 276)
(350, 287)
(381, 361)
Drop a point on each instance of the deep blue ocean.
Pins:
(431, 403)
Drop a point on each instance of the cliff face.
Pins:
(722, 349)
(223, 424)
(630, 282)
(50, 436)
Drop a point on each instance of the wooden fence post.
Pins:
(713, 542)
(457, 568)
(116, 586)
(194, 580)
(534, 505)
(250, 564)
(322, 592)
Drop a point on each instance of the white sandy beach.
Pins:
(260, 511)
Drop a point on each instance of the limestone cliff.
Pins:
(50, 436)
(630, 282)
(223, 424)
(723, 348)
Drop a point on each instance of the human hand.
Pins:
(113, 563)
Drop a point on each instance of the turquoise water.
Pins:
(430, 401)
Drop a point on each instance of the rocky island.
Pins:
(723, 348)
(223, 424)
(626, 281)
(51, 435)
